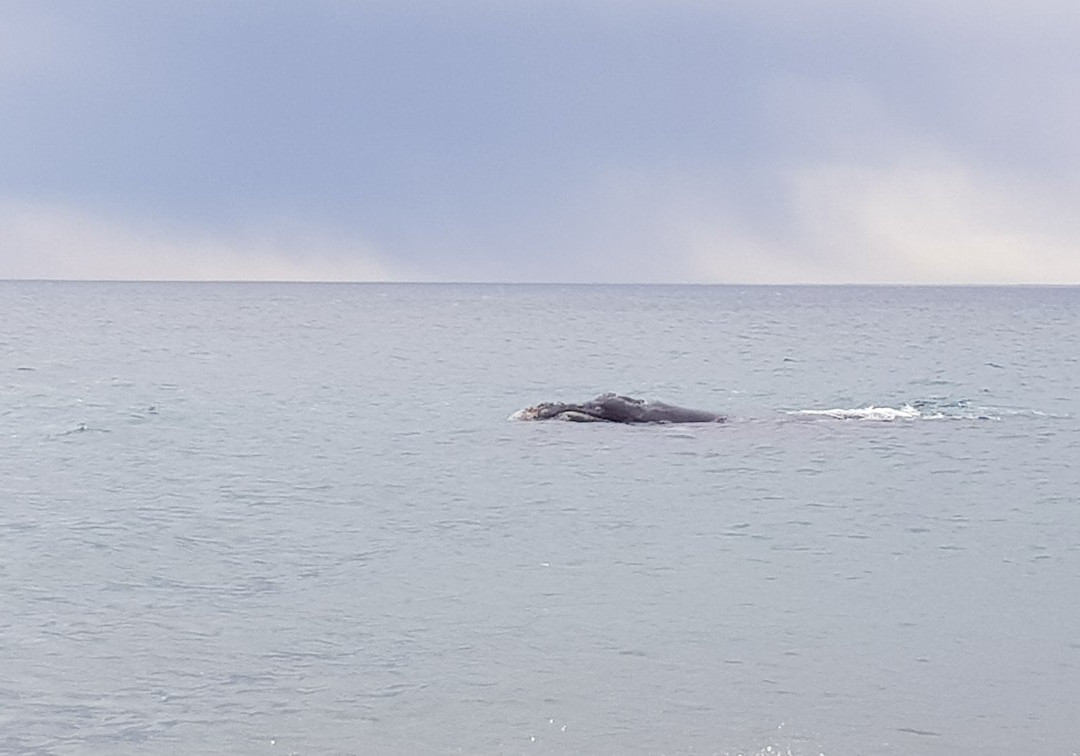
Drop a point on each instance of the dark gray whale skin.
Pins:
(612, 408)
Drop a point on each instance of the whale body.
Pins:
(612, 408)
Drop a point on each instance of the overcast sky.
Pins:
(756, 141)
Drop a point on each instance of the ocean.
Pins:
(297, 519)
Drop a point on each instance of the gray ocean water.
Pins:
(295, 519)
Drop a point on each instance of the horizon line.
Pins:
(463, 282)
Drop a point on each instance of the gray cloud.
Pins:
(768, 141)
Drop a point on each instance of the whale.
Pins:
(613, 408)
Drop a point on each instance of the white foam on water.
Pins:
(888, 414)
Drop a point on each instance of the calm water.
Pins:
(274, 519)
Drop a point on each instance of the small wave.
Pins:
(1020, 412)
(82, 428)
(887, 414)
(918, 410)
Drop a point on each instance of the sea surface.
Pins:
(296, 519)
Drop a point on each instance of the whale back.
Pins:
(614, 408)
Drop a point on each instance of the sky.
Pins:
(615, 141)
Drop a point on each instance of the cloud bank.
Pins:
(60, 243)
(631, 141)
